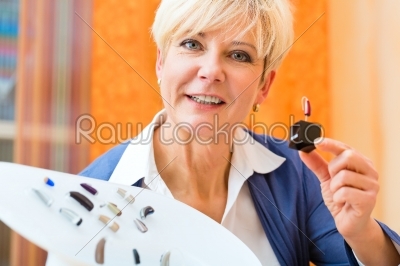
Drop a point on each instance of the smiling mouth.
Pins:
(205, 99)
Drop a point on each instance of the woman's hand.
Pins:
(349, 186)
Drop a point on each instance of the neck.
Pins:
(197, 169)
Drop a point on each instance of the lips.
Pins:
(206, 99)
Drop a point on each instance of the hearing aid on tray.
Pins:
(136, 256)
(303, 133)
(109, 223)
(83, 200)
(71, 216)
(99, 254)
(46, 199)
(89, 189)
(129, 198)
(146, 211)
(140, 225)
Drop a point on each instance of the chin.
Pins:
(210, 131)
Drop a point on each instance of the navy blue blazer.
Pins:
(289, 205)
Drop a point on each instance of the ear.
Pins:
(159, 63)
(263, 92)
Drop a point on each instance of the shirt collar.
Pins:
(248, 156)
(138, 160)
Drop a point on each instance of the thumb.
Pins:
(316, 164)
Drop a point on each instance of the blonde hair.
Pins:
(270, 22)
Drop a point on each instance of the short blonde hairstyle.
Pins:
(270, 22)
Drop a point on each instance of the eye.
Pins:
(191, 44)
(241, 56)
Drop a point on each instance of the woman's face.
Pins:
(211, 79)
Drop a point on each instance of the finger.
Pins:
(336, 147)
(316, 164)
(353, 161)
(346, 178)
(361, 201)
(330, 145)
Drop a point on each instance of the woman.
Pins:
(216, 61)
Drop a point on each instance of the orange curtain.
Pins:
(303, 73)
(124, 86)
(122, 48)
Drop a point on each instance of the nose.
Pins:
(212, 69)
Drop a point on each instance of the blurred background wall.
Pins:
(9, 15)
(45, 72)
(61, 60)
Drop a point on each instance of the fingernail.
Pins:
(318, 141)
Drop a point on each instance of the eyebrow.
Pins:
(236, 43)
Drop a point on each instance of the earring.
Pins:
(256, 108)
(159, 82)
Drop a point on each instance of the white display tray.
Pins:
(192, 237)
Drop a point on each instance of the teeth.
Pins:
(206, 99)
(215, 100)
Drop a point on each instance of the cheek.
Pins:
(244, 104)
(246, 96)
(245, 80)
(176, 76)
